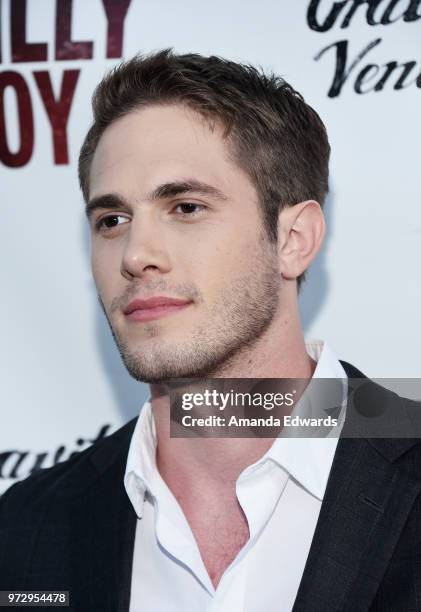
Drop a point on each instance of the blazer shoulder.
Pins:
(390, 422)
(67, 480)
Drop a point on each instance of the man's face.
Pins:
(173, 216)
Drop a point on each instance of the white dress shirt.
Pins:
(281, 496)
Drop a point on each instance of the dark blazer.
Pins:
(72, 527)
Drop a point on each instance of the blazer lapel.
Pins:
(366, 504)
(367, 501)
(105, 524)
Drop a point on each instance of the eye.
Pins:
(110, 221)
(189, 209)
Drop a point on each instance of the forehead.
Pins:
(162, 143)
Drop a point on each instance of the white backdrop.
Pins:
(61, 377)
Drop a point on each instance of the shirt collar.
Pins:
(307, 460)
(141, 470)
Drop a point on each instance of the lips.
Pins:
(154, 307)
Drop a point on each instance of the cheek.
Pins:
(106, 265)
(214, 265)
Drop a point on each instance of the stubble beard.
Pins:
(242, 314)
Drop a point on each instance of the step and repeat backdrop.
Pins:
(358, 63)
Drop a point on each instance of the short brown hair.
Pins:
(278, 139)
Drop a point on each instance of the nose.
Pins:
(145, 250)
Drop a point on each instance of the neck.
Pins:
(217, 462)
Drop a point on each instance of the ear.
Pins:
(301, 229)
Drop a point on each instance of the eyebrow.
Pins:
(175, 188)
(166, 190)
(110, 201)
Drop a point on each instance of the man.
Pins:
(203, 182)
